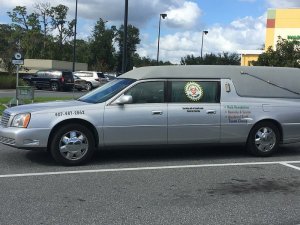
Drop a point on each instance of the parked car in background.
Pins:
(79, 84)
(55, 80)
(94, 79)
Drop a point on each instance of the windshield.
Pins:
(106, 91)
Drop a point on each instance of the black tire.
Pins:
(263, 139)
(72, 151)
(54, 86)
(89, 86)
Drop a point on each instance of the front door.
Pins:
(144, 121)
(194, 112)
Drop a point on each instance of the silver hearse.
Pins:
(165, 105)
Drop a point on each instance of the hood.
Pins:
(35, 107)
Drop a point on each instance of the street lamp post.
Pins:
(205, 32)
(162, 15)
(74, 44)
(124, 56)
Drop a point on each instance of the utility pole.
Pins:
(124, 59)
(74, 42)
(203, 32)
(162, 15)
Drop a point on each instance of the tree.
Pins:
(102, 51)
(133, 40)
(20, 17)
(27, 29)
(6, 48)
(43, 10)
(287, 54)
(212, 59)
(83, 50)
(146, 61)
(64, 29)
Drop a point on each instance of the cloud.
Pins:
(245, 33)
(185, 16)
(140, 12)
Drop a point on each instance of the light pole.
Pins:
(124, 57)
(162, 15)
(203, 32)
(74, 44)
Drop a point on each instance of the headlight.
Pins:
(21, 120)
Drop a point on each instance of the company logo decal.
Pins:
(193, 91)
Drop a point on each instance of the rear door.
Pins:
(40, 80)
(194, 111)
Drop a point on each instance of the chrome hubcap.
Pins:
(265, 139)
(73, 145)
(54, 86)
(89, 86)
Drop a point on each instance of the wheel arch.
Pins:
(273, 121)
(74, 121)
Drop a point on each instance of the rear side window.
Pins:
(195, 91)
(40, 74)
(67, 74)
(79, 74)
(84, 74)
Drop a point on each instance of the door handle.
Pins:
(211, 111)
(157, 112)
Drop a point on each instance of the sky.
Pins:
(232, 25)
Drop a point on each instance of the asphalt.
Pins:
(196, 185)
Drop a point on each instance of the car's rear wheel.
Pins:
(263, 139)
(72, 145)
(89, 86)
(54, 86)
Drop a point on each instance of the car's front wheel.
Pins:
(72, 145)
(263, 139)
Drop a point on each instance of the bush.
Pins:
(9, 82)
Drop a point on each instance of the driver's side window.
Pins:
(147, 92)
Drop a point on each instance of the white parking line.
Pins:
(286, 163)
(292, 166)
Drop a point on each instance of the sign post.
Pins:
(17, 60)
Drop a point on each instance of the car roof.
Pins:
(248, 80)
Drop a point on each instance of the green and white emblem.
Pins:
(193, 91)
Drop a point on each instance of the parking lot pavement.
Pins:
(195, 185)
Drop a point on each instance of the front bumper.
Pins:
(24, 137)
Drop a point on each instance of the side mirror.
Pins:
(124, 99)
